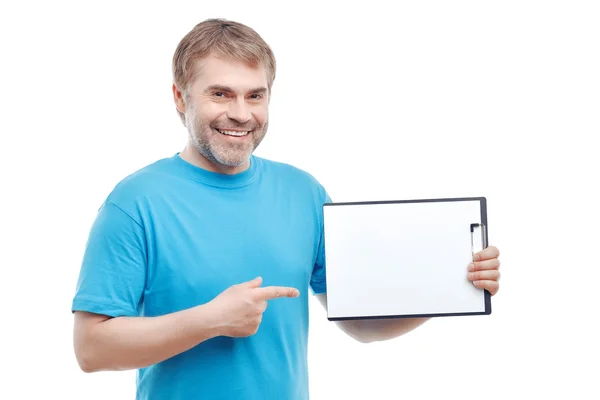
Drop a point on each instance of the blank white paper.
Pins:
(397, 259)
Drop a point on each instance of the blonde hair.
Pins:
(225, 38)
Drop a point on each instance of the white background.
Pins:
(378, 100)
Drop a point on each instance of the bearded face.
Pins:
(226, 112)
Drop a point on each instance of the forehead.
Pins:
(225, 71)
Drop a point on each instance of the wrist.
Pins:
(208, 321)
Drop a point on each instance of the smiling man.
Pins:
(227, 117)
(198, 267)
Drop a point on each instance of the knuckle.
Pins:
(255, 325)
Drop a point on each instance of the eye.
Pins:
(256, 96)
(219, 94)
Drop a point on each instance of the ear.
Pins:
(178, 98)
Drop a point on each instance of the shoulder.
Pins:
(288, 174)
(135, 189)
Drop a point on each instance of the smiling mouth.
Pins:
(233, 133)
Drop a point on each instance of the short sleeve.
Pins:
(318, 282)
(113, 271)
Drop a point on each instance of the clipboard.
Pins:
(404, 258)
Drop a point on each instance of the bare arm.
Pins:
(374, 330)
(104, 343)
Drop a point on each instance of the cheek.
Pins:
(262, 116)
(207, 114)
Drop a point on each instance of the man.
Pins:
(197, 267)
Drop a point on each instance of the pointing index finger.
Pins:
(273, 292)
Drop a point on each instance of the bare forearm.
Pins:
(375, 330)
(136, 342)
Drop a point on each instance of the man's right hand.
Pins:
(242, 306)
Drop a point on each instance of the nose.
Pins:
(239, 111)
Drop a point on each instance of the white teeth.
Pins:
(234, 133)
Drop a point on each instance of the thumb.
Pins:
(254, 283)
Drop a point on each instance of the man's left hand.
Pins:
(483, 271)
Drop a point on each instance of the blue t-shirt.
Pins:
(173, 236)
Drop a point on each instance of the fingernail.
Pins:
(471, 267)
(476, 257)
(470, 275)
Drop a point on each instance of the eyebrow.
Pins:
(222, 88)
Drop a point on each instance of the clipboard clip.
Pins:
(478, 238)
